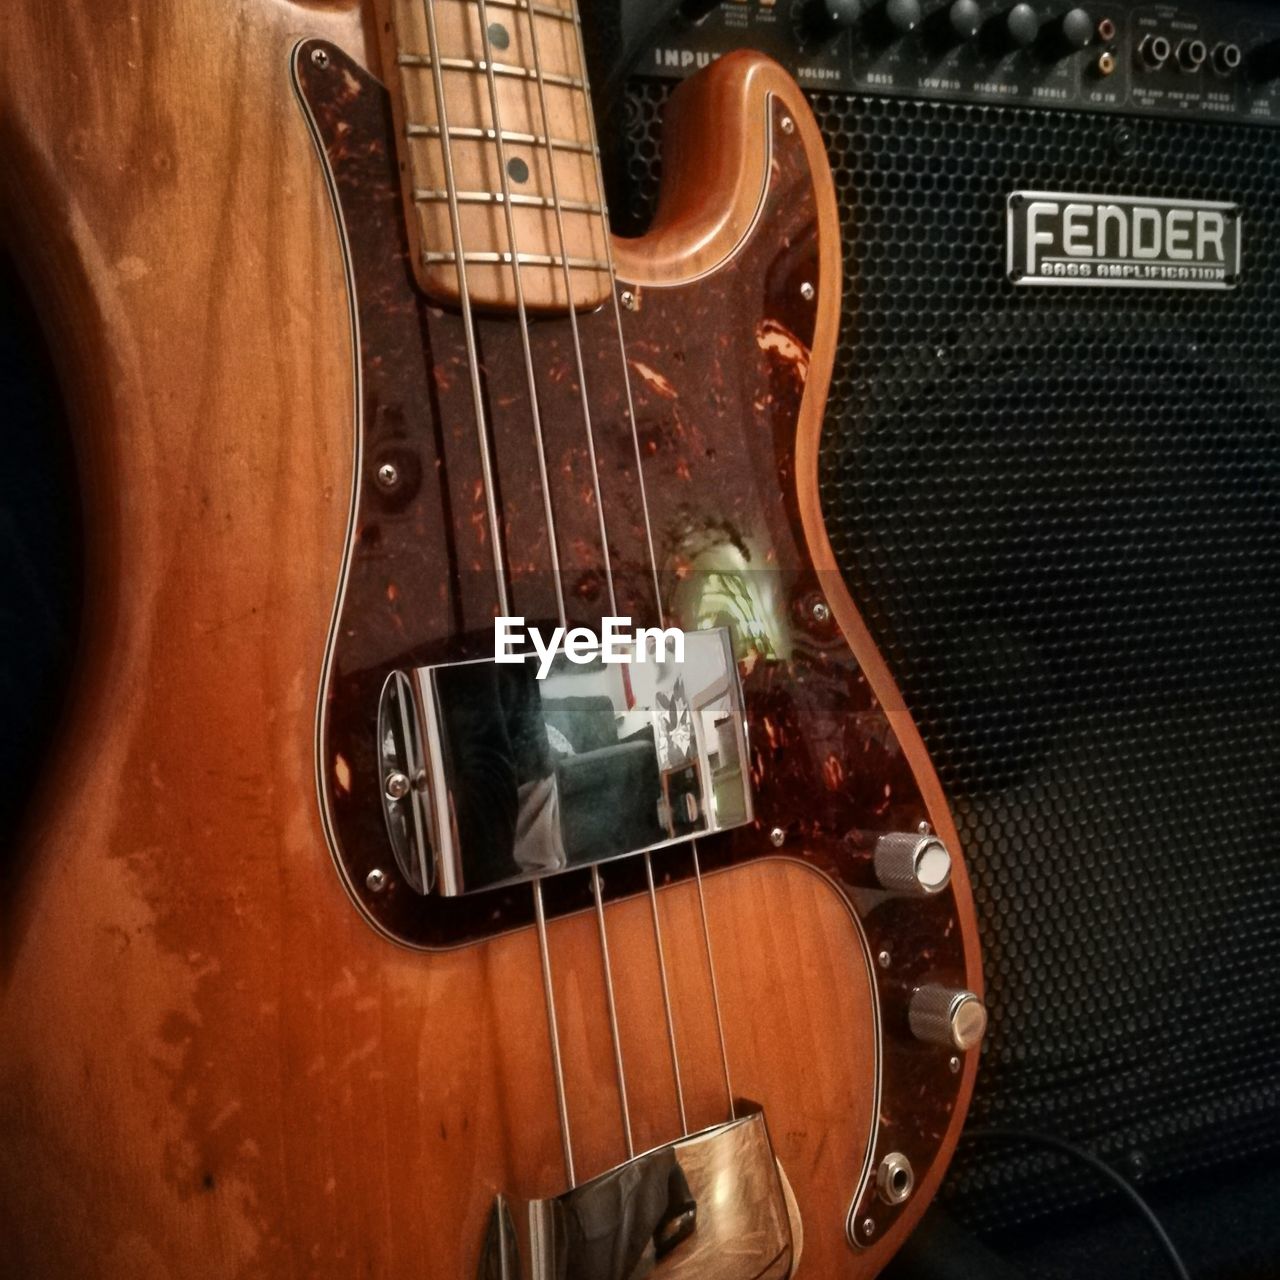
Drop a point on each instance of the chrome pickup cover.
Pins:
(523, 777)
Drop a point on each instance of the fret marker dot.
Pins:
(517, 170)
(499, 36)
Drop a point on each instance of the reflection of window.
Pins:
(726, 599)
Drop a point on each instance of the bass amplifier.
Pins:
(1050, 475)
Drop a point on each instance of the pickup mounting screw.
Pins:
(388, 475)
(376, 880)
(397, 785)
(777, 837)
(320, 57)
(807, 291)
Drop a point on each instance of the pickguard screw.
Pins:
(821, 611)
(398, 785)
(777, 837)
(807, 291)
(320, 58)
(788, 124)
(868, 1226)
(629, 301)
(924, 828)
(885, 959)
(954, 1064)
(376, 880)
(388, 476)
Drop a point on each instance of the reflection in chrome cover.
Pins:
(529, 776)
(708, 1207)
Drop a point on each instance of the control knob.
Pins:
(948, 1017)
(902, 16)
(1019, 27)
(1073, 31)
(695, 10)
(958, 22)
(909, 863)
(826, 19)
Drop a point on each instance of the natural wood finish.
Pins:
(478, 179)
(209, 1065)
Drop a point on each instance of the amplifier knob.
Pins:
(944, 1016)
(914, 864)
(964, 21)
(695, 11)
(826, 19)
(1019, 27)
(903, 16)
(1074, 30)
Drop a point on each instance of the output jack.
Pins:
(1154, 52)
(1192, 54)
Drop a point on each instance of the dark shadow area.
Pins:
(40, 555)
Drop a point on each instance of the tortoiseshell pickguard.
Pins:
(717, 371)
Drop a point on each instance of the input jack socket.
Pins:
(1154, 52)
(1192, 54)
(1227, 58)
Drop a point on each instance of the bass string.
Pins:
(495, 530)
(544, 950)
(586, 411)
(483, 435)
(653, 559)
(468, 323)
(584, 396)
(521, 313)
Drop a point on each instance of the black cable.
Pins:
(1099, 1166)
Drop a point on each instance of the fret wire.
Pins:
(542, 10)
(426, 196)
(468, 133)
(432, 257)
(479, 66)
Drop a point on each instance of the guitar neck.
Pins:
(497, 151)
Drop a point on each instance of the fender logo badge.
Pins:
(1062, 238)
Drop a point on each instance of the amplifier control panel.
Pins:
(1211, 60)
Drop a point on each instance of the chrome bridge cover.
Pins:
(710, 1206)
(525, 777)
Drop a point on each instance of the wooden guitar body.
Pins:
(227, 1048)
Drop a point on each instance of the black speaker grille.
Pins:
(1057, 509)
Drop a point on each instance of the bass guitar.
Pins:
(484, 839)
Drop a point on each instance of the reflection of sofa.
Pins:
(608, 787)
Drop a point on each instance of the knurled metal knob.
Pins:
(906, 862)
(945, 1016)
